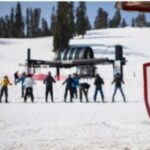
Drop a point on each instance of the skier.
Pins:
(22, 79)
(118, 85)
(69, 82)
(98, 87)
(28, 83)
(16, 76)
(84, 87)
(48, 81)
(4, 88)
(75, 85)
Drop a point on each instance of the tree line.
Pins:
(66, 21)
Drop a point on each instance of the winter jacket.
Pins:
(49, 80)
(98, 82)
(21, 79)
(29, 82)
(118, 81)
(5, 82)
(75, 82)
(69, 82)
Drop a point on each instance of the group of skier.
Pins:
(72, 85)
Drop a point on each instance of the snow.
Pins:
(77, 126)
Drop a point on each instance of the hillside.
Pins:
(77, 126)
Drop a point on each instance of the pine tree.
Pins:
(123, 24)
(12, 22)
(19, 24)
(88, 25)
(116, 20)
(101, 20)
(45, 30)
(35, 22)
(81, 19)
(133, 22)
(7, 27)
(28, 24)
(140, 20)
(2, 27)
(62, 26)
(71, 18)
(53, 21)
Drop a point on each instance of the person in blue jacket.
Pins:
(21, 79)
(75, 85)
(69, 82)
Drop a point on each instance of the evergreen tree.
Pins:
(45, 30)
(110, 23)
(19, 24)
(12, 23)
(140, 20)
(28, 24)
(81, 19)
(7, 27)
(133, 22)
(88, 25)
(71, 18)
(101, 20)
(116, 20)
(35, 22)
(2, 27)
(123, 24)
(53, 21)
(62, 26)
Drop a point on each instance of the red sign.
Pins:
(146, 74)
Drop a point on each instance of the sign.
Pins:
(146, 74)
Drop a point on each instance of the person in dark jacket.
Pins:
(98, 87)
(48, 81)
(22, 79)
(84, 87)
(69, 82)
(118, 85)
(75, 85)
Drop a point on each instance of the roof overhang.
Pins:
(143, 6)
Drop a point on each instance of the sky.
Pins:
(46, 7)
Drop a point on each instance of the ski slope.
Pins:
(77, 126)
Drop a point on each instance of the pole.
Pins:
(119, 56)
(28, 61)
(58, 73)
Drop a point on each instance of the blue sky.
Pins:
(46, 8)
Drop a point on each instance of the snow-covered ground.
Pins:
(78, 126)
